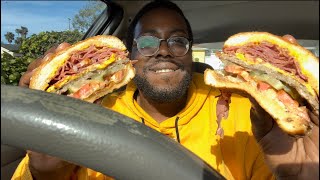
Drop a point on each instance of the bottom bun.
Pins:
(292, 120)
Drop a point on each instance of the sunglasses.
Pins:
(149, 45)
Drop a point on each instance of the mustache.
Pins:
(178, 64)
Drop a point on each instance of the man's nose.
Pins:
(164, 49)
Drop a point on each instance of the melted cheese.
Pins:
(107, 62)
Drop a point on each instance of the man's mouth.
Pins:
(165, 67)
(164, 70)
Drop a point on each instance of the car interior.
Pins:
(212, 23)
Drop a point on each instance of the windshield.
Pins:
(30, 28)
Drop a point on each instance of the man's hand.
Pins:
(43, 166)
(25, 78)
(288, 157)
(47, 167)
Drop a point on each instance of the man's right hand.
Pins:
(43, 166)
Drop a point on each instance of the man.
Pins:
(168, 97)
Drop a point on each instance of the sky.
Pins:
(37, 16)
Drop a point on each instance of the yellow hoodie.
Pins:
(236, 156)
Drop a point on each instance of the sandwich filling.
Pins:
(89, 70)
(267, 52)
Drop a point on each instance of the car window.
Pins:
(30, 28)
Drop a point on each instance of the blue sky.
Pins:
(37, 16)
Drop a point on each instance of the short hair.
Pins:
(147, 8)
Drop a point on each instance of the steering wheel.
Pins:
(95, 137)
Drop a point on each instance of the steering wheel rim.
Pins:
(94, 137)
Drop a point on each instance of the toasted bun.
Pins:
(130, 73)
(292, 121)
(46, 71)
(307, 61)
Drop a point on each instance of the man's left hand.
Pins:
(288, 157)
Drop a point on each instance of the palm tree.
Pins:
(9, 37)
(23, 32)
(18, 31)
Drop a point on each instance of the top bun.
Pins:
(308, 62)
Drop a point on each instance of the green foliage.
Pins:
(24, 32)
(32, 48)
(86, 16)
(18, 40)
(36, 45)
(12, 68)
(9, 37)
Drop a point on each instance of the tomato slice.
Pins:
(86, 90)
(262, 86)
(116, 77)
(119, 75)
(285, 98)
(233, 69)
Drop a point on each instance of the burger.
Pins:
(86, 70)
(282, 76)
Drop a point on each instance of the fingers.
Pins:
(36, 63)
(47, 55)
(290, 39)
(133, 61)
(43, 166)
(62, 46)
(25, 78)
(314, 118)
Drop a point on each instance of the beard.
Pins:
(161, 94)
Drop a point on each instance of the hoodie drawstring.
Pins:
(143, 121)
(177, 129)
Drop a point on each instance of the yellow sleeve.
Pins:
(23, 173)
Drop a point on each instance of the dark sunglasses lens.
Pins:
(147, 45)
(179, 46)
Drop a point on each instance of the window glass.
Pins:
(30, 28)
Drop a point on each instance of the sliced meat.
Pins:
(222, 110)
(79, 60)
(270, 53)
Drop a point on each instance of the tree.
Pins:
(9, 37)
(18, 41)
(24, 31)
(32, 47)
(18, 31)
(86, 16)
(37, 44)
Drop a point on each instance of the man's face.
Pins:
(162, 77)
